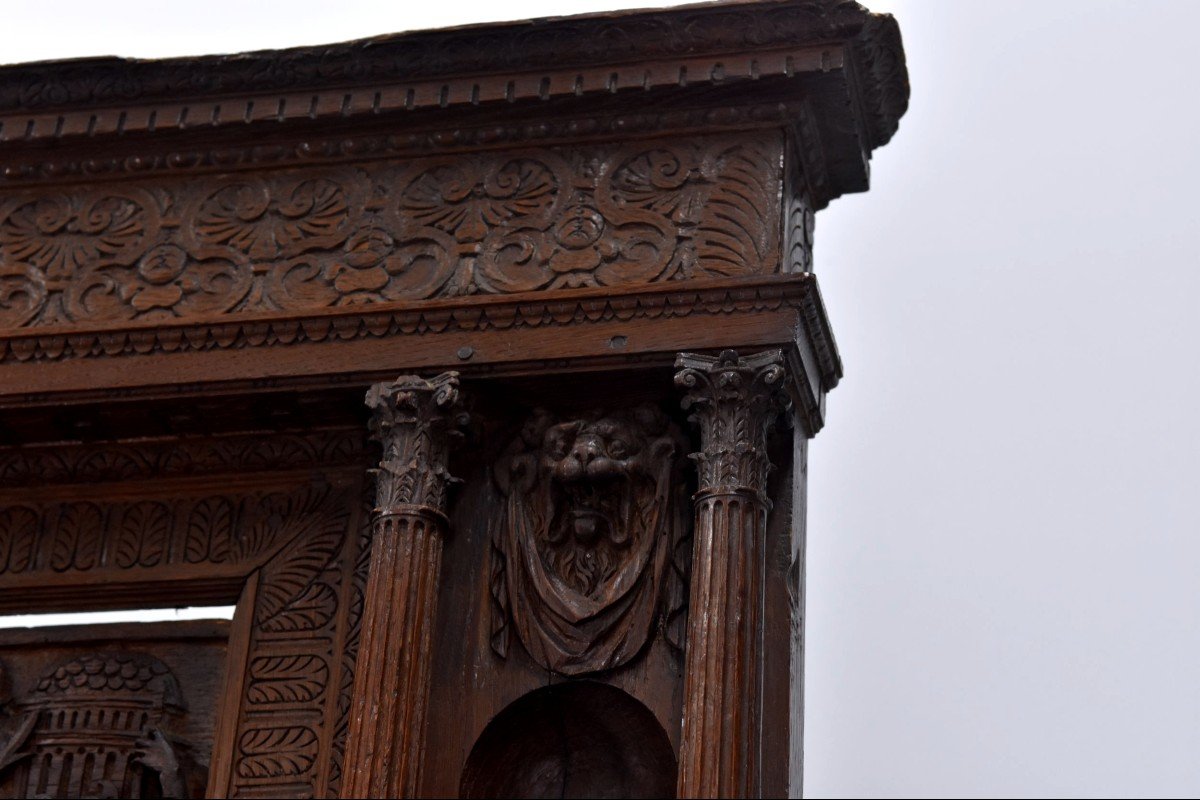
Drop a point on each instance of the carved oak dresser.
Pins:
(559, 549)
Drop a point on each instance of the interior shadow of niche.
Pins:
(577, 739)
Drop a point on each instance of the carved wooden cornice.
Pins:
(443, 88)
(536, 59)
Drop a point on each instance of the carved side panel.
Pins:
(291, 712)
(233, 508)
(290, 240)
(588, 556)
(799, 214)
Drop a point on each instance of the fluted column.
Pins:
(416, 420)
(734, 401)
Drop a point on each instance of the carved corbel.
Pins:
(417, 421)
(734, 401)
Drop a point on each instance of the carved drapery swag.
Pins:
(589, 553)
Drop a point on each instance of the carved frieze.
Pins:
(589, 554)
(85, 535)
(287, 241)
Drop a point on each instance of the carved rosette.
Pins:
(417, 422)
(734, 401)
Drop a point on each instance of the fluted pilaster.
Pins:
(734, 401)
(416, 420)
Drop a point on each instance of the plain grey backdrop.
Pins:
(1004, 524)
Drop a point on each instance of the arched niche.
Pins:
(577, 739)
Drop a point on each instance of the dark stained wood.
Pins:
(206, 262)
(109, 709)
(417, 421)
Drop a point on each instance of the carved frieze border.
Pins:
(529, 310)
(67, 165)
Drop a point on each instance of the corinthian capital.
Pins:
(417, 420)
(734, 401)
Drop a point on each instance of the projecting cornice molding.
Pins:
(686, 52)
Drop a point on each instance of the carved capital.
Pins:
(734, 401)
(417, 421)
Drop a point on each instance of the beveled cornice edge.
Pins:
(572, 42)
(701, 45)
(71, 165)
(432, 317)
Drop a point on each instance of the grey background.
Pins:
(1003, 519)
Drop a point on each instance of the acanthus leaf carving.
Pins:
(281, 752)
(286, 679)
(417, 421)
(734, 401)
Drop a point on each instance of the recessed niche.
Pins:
(578, 739)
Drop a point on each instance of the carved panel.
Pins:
(78, 536)
(590, 553)
(288, 240)
(289, 714)
(293, 534)
(93, 727)
(119, 710)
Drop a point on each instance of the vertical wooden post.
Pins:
(415, 420)
(734, 401)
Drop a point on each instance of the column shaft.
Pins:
(415, 420)
(734, 402)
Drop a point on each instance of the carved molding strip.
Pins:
(94, 463)
(291, 713)
(467, 314)
(416, 140)
(295, 241)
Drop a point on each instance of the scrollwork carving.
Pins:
(586, 548)
(288, 240)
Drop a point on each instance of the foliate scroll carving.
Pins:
(86, 536)
(99, 725)
(289, 714)
(734, 401)
(588, 556)
(40, 465)
(417, 421)
(290, 240)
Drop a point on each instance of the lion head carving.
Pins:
(589, 536)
